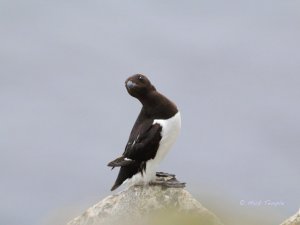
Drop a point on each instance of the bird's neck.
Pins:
(151, 100)
(157, 105)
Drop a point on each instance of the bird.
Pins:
(153, 134)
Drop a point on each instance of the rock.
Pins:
(152, 204)
(294, 220)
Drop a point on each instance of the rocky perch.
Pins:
(294, 220)
(146, 205)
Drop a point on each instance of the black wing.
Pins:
(143, 148)
(146, 145)
(134, 158)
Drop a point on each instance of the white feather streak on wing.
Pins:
(126, 159)
(135, 140)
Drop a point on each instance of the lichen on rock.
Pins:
(145, 205)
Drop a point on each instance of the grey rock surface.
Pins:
(148, 205)
(294, 220)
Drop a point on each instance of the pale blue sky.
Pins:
(232, 67)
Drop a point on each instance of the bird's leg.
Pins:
(167, 180)
(162, 177)
(163, 174)
(168, 183)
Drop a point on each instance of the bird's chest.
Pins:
(169, 134)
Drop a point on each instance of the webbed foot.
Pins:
(167, 180)
(163, 174)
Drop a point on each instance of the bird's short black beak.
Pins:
(130, 84)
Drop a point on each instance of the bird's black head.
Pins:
(139, 86)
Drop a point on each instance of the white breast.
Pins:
(170, 131)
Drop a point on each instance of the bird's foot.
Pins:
(163, 174)
(167, 180)
(168, 184)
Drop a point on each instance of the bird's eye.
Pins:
(141, 78)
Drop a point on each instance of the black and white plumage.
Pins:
(152, 135)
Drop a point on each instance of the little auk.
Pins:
(151, 137)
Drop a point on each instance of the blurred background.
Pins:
(232, 67)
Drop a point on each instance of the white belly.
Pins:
(169, 133)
